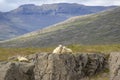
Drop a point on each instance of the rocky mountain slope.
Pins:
(100, 28)
(27, 18)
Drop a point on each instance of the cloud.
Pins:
(12, 4)
(102, 2)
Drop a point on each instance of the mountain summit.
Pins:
(30, 17)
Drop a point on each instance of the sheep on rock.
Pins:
(58, 49)
(22, 59)
(66, 50)
(62, 49)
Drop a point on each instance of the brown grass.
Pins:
(8, 52)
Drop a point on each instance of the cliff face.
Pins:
(48, 66)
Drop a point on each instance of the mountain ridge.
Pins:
(27, 18)
(93, 29)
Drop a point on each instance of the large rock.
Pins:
(114, 66)
(67, 66)
(48, 66)
(16, 71)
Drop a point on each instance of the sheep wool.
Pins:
(22, 59)
(66, 50)
(58, 49)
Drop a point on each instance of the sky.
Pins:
(7, 5)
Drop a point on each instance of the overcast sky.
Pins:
(6, 5)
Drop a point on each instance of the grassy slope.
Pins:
(29, 17)
(101, 28)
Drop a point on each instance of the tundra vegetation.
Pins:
(106, 49)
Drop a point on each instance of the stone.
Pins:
(67, 66)
(49, 66)
(114, 66)
(16, 71)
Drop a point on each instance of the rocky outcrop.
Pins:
(16, 71)
(114, 66)
(48, 66)
(68, 66)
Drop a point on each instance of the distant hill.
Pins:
(100, 28)
(30, 17)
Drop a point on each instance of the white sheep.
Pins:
(58, 49)
(66, 50)
(22, 59)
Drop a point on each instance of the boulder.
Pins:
(68, 66)
(114, 66)
(16, 71)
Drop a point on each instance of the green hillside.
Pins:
(94, 29)
(30, 17)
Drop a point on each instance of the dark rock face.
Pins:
(115, 66)
(48, 66)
